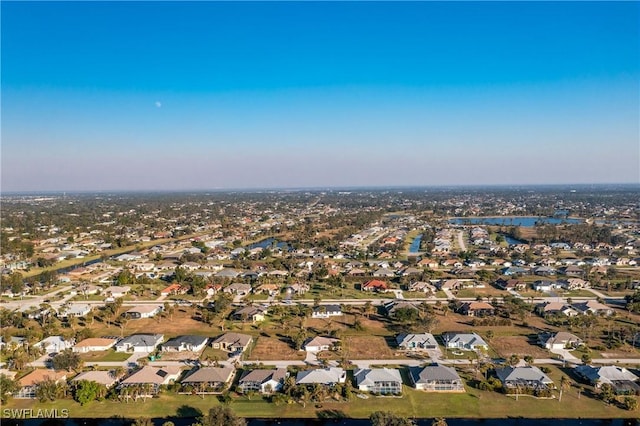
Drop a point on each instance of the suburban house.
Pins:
(560, 340)
(213, 378)
(151, 378)
(378, 380)
(574, 283)
(103, 377)
(253, 313)
(326, 311)
(268, 288)
(554, 308)
(324, 376)
(545, 285)
(54, 344)
(621, 380)
(139, 343)
(297, 289)
(75, 310)
(384, 273)
(232, 342)
(511, 284)
(174, 289)
(416, 342)
(319, 343)
(572, 271)
(376, 286)
(529, 377)
(262, 381)
(29, 383)
(190, 343)
(477, 309)
(95, 344)
(239, 289)
(422, 287)
(593, 307)
(116, 291)
(143, 311)
(436, 378)
(392, 307)
(466, 341)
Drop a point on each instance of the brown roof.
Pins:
(41, 374)
(148, 374)
(96, 341)
(210, 375)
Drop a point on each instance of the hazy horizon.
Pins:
(164, 96)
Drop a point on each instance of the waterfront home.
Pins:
(623, 381)
(416, 342)
(436, 378)
(324, 376)
(212, 378)
(378, 380)
(29, 383)
(188, 343)
(262, 381)
(149, 379)
(103, 377)
(529, 377)
(139, 343)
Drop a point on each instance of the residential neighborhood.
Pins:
(411, 304)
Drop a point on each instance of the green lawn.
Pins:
(105, 356)
(472, 404)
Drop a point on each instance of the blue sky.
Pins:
(202, 95)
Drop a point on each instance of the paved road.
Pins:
(461, 244)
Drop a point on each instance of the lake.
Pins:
(526, 221)
(415, 244)
(267, 243)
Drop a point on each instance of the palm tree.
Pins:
(439, 421)
(564, 385)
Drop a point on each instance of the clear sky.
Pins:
(204, 95)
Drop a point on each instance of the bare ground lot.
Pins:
(369, 347)
(506, 346)
(272, 349)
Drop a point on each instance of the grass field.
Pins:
(273, 348)
(105, 356)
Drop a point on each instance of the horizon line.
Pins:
(317, 188)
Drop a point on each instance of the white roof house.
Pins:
(324, 376)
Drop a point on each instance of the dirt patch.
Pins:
(273, 349)
(369, 347)
(505, 346)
